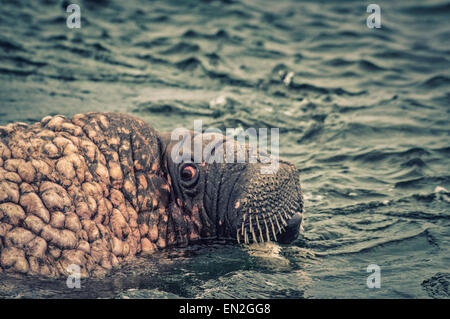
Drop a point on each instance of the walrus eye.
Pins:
(188, 174)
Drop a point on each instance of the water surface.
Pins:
(363, 113)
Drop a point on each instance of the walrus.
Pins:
(99, 188)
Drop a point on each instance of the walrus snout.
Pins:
(269, 206)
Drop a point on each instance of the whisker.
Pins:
(278, 224)
(273, 229)
(251, 227)
(286, 215)
(267, 230)
(243, 221)
(254, 237)
(259, 228)
(283, 221)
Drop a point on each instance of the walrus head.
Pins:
(246, 201)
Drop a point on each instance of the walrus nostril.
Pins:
(292, 229)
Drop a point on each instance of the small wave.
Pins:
(189, 64)
(182, 47)
(423, 181)
(339, 62)
(381, 155)
(56, 37)
(192, 64)
(159, 41)
(238, 14)
(265, 53)
(408, 56)
(325, 36)
(337, 47)
(253, 284)
(9, 45)
(110, 59)
(371, 244)
(174, 107)
(443, 150)
(152, 59)
(308, 87)
(98, 46)
(442, 100)
(213, 58)
(219, 35)
(419, 215)
(56, 20)
(381, 130)
(429, 9)
(16, 72)
(21, 61)
(226, 78)
(369, 66)
(158, 18)
(414, 162)
(436, 82)
(347, 109)
(311, 132)
(77, 50)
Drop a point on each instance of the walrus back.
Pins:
(71, 192)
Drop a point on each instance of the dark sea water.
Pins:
(363, 113)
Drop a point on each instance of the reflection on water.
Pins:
(363, 113)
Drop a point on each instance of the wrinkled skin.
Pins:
(102, 187)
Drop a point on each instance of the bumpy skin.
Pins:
(71, 190)
(100, 188)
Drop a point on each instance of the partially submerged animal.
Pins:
(101, 188)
